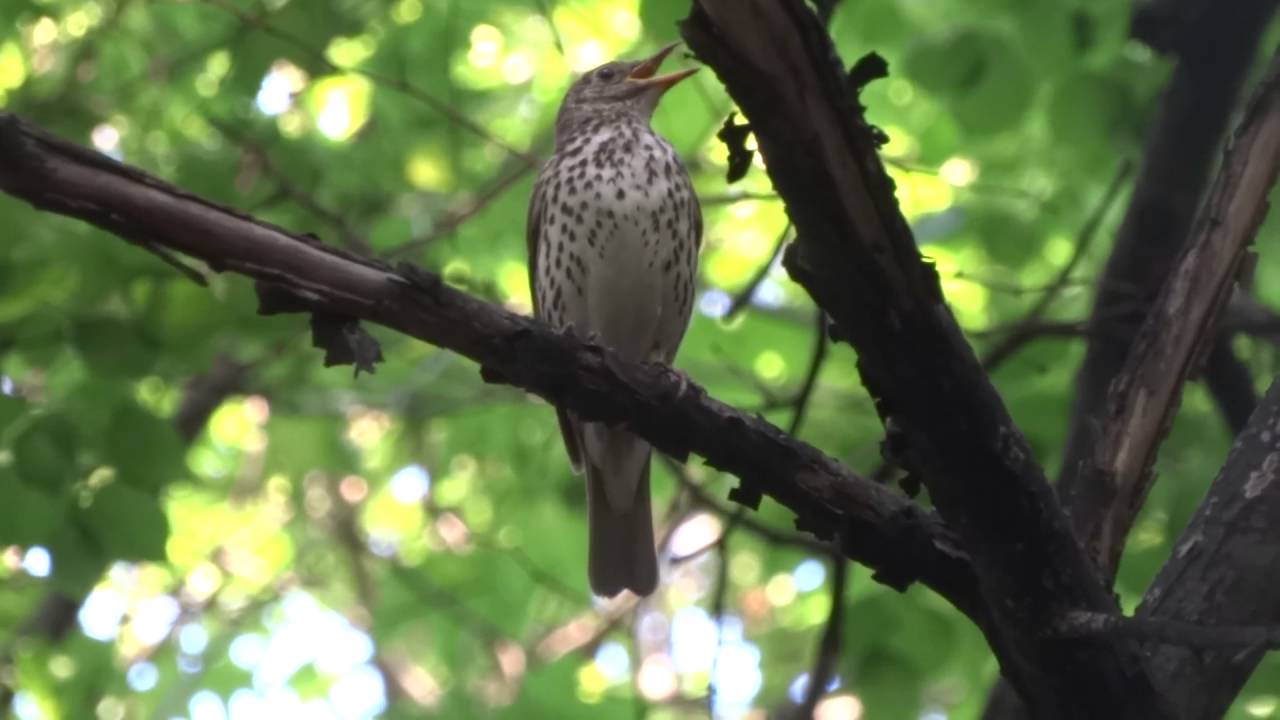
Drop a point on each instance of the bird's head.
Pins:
(618, 88)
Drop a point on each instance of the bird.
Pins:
(613, 233)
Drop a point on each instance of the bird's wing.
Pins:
(532, 235)
(678, 299)
(532, 229)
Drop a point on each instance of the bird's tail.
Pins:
(621, 554)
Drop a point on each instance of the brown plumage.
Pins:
(613, 233)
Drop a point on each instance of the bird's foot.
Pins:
(680, 379)
(590, 339)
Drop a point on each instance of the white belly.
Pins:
(624, 291)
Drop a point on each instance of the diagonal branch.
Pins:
(1222, 572)
(1213, 61)
(882, 529)
(855, 255)
(1179, 329)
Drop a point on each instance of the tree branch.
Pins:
(1175, 170)
(855, 255)
(1171, 632)
(902, 542)
(1222, 571)
(1179, 329)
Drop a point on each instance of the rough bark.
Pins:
(1190, 123)
(1214, 52)
(1222, 571)
(1179, 330)
(855, 255)
(880, 528)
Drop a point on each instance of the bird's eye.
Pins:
(606, 74)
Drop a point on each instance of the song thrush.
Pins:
(613, 232)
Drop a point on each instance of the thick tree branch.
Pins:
(1179, 329)
(1191, 119)
(1182, 145)
(882, 529)
(1223, 571)
(854, 253)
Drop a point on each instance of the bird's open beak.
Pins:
(645, 74)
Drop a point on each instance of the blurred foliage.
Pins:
(413, 542)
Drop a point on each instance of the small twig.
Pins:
(829, 647)
(811, 375)
(730, 198)
(551, 23)
(532, 570)
(743, 298)
(412, 91)
(767, 533)
(288, 188)
(454, 218)
(1168, 632)
(718, 599)
(1084, 240)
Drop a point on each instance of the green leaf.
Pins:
(949, 64)
(659, 18)
(44, 453)
(11, 408)
(27, 516)
(982, 75)
(888, 686)
(1088, 112)
(1008, 238)
(78, 562)
(299, 444)
(113, 348)
(146, 451)
(543, 690)
(184, 315)
(390, 232)
(1000, 100)
(29, 288)
(127, 523)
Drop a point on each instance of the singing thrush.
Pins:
(613, 233)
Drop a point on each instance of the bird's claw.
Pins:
(590, 339)
(681, 380)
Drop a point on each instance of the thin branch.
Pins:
(829, 648)
(408, 89)
(289, 189)
(545, 10)
(732, 197)
(718, 598)
(816, 359)
(744, 296)
(1000, 352)
(1169, 632)
(454, 218)
(768, 533)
